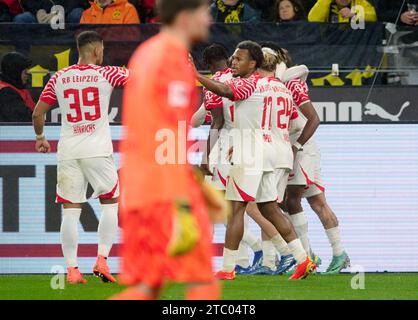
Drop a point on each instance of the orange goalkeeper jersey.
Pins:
(158, 102)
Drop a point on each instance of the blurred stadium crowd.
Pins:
(17, 104)
(227, 11)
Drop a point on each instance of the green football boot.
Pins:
(337, 264)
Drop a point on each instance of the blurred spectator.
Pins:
(9, 9)
(233, 11)
(263, 6)
(288, 10)
(16, 103)
(40, 11)
(145, 9)
(339, 11)
(388, 11)
(110, 12)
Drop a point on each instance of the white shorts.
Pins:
(73, 177)
(219, 164)
(307, 171)
(255, 185)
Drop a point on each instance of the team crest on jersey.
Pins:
(179, 94)
(116, 14)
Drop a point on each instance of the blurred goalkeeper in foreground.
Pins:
(165, 208)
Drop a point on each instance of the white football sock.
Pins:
(249, 238)
(297, 250)
(269, 255)
(300, 223)
(242, 256)
(69, 235)
(108, 228)
(334, 238)
(281, 245)
(229, 262)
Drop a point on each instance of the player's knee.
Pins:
(293, 203)
(318, 206)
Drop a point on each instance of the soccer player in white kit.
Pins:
(85, 148)
(256, 172)
(305, 180)
(216, 165)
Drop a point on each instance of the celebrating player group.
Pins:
(261, 152)
(268, 126)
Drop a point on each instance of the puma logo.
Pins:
(376, 110)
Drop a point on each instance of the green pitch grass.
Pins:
(377, 286)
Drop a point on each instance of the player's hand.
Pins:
(347, 13)
(409, 18)
(42, 146)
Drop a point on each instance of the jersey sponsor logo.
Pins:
(84, 128)
(179, 94)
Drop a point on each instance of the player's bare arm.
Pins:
(216, 87)
(38, 119)
(312, 123)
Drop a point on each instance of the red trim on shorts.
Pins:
(243, 195)
(223, 180)
(110, 194)
(310, 182)
(60, 199)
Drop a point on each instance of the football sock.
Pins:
(300, 223)
(334, 238)
(297, 250)
(249, 238)
(108, 228)
(69, 235)
(230, 256)
(269, 255)
(281, 245)
(242, 256)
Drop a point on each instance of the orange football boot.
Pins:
(101, 270)
(74, 276)
(222, 275)
(304, 269)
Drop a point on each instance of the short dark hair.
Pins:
(214, 53)
(169, 9)
(255, 51)
(87, 37)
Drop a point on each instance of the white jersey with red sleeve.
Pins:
(83, 94)
(300, 96)
(252, 139)
(283, 112)
(213, 101)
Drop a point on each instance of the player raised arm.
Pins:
(219, 88)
